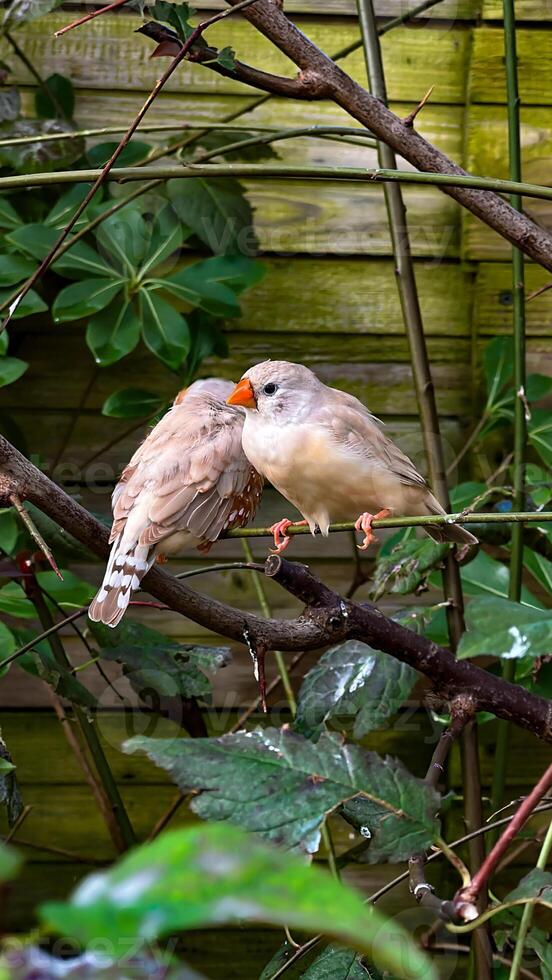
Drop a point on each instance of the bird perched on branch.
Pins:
(187, 483)
(325, 452)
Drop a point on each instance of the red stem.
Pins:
(84, 20)
(480, 879)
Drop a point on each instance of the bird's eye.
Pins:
(270, 388)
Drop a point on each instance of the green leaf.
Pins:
(14, 268)
(535, 884)
(10, 862)
(213, 297)
(336, 963)
(537, 387)
(24, 11)
(206, 340)
(238, 272)
(11, 368)
(464, 494)
(404, 563)
(278, 784)
(114, 332)
(14, 602)
(540, 434)
(10, 797)
(176, 14)
(164, 330)
(31, 303)
(132, 154)
(539, 566)
(72, 591)
(40, 662)
(498, 364)
(484, 575)
(166, 237)
(124, 237)
(37, 240)
(9, 217)
(7, 646)
(132, 403)
(205, 876)
(67, 204)
(84, 298)
(220, 138)
(55, 98)
(153, 661)
(352, 679)
(217, 210)
(505, 629)
(40, 155)
(9, 528)
(226, 58)
(280, 957)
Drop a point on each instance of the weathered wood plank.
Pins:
(446, 10)
(493, 305)
(487, 79)
(526, 10)
(487, 153)
(107, 49)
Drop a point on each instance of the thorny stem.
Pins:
(520, 420)
(527, 916)
(35, 533)
(104, 173)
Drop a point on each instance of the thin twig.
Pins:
(90, 16)
(35, 533)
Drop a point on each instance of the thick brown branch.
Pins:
(326, 619)
(518, 229)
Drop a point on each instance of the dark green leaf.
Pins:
(176, 14)
(24, 11)
(124, 237)
(14, 602)
(537, 387)
(238, 272)
(220, 138)
(464, 494)
(405, 565)
(40, 155)
(206, 340)
(31, 303)
(540, 567)
(226, 58)
(11, 368)
(72, 591)
(505, 629)
(7, 645)
(164, 330)
(280, 785)
(153, 662)
(336, 963)
(485, 575)
(217, 211)
(67, 204)
(10, 863)
(79, 260)
(166, 237)
(132, 403)
(353, 679)
(114, 332)
(202, 876)
(10, 797)
(14, 268)
(10, 104)
(498, 363)
(193, 288)
(540, 434)
(40, 662)
(9, 217)
(55, 98)
(9, 527)
(280, 957)
(84, 298)
(535, 884)
(132, 154)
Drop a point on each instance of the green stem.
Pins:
(266, 611)
(330, 850)
(527, 916)
(388, 26)
(512, 517)
(256, 171)
(122, 832)
(520, 406)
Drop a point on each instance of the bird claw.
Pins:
(364, 523)
(281, 539)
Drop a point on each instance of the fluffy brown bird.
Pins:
(325, 452)
(187, 483)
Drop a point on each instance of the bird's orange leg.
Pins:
(364, 523)
(161, 559)
(281, 539)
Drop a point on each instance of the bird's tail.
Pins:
(125, 570)
(447, 532)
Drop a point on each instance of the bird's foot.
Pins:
(279, 532)
(161, 559)
(364, 523)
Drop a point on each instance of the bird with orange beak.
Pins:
(328, 456)
(186, 484)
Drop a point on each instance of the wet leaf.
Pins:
(352, 679)
(278, 784)
(210, 875)
(84, 298)
(113, 332)
(505, 629)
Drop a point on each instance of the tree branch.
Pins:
(327, 618)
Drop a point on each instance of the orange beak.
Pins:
(242, 395)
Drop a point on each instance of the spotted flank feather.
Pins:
(187, 484)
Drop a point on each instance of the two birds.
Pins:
(201, 470)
